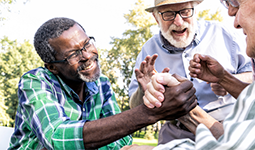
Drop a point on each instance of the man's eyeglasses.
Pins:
(233, 3)
(170, 15)
(76, 56)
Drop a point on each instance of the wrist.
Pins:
(149, 114)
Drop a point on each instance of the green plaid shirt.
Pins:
(51, 115)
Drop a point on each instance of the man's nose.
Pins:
(86, 54)
(178, 21)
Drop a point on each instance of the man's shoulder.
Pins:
(218, 29)
(204, 25)
(154, 39)
(37, 71)
(152, 44)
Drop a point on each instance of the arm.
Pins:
(197, 116)
(208, 69)
(193, 118)
(117, 126)
(244, 77)
(52, 122)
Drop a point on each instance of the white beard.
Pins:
(184, 41)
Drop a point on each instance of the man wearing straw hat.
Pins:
(180, 37)
(239, 126)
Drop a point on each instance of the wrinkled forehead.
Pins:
(175, 7)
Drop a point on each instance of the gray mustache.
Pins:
(87, 63)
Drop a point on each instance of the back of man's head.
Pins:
(51, 29)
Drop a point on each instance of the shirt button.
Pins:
(83, 109)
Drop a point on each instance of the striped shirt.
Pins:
(51, 115)
(239, 129)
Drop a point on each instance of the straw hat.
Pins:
(167, 2)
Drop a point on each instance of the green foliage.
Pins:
(206, 16)
(118, 62)
(5, 119)
(15, 60)
(142, 141)
(149, 135)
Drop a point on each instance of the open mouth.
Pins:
(89, 64)
(181, 31)
(86, 66)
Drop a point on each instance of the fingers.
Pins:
(138, 74)
(195, 66)
(152, 97)
(150, 60)
(143, 65)
(153, 59)
(165, 79)
(166, 70)
(179, 78)
(218, 89)
(186, 86)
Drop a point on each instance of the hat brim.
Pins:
(150, 9)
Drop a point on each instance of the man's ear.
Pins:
(156, 18)
(51, 67)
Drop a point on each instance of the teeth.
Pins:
(88, 67)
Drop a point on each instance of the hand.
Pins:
(176, 101)
(218, 89)
(136, 147)
(206, 68)
(146, 71)
(158, 89)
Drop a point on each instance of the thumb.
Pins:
(179, 78)
(167, 79)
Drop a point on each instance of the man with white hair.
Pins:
(180, 37)
(239, 126)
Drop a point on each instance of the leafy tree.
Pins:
(15, 60)
(205, 14)
(119, 61)
(5, 119)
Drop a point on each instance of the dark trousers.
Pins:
(171, 131)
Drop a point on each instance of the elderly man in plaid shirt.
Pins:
(70, 105)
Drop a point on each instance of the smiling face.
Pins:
(245, 18)
(71, 40)
(179, 32)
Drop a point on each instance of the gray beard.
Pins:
(94, 78)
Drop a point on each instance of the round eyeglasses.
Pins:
(170, 15)
(233, 3)
(76, 56)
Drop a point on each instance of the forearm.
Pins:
(232, 85)
(136, 98)
(244, 77)
(103, 131)
(197, 116)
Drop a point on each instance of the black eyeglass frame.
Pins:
(177, 12)
(80, 50)
(226, 3)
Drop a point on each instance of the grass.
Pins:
(142, 141)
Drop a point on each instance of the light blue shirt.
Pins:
(212, 38)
